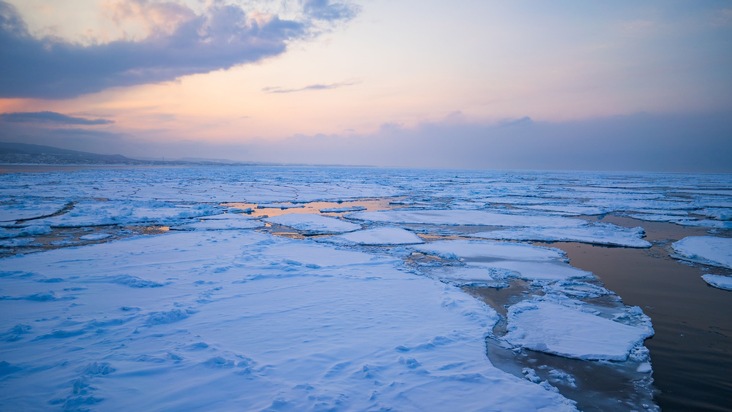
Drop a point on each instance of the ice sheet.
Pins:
(708, 250)
(228, 320)
(312, 224)
(597, 233)
(560, 330)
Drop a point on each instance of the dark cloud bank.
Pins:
(220, 38)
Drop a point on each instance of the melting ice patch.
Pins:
(379, 236)
(311, 224)
(463, 217)
(597, 233)
(709, 250)
(564, 331)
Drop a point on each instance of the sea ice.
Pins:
(597, 233)
(464, 217)
(709, 250)
(227, 221)
(311, 224)
(203, 320)
(718, 281)
(476, 250)
(560, 330)
(380, 236)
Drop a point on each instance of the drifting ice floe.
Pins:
(227, 221)
(508, 259)
(564, 331)
(380, 236)
(718, 281)
(463, 217)
(709, 250)
(597, 233)
(311, 224)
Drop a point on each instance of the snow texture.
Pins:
(463, 217)
(718, 281)
(560, 330)
(380, 236)
(231, 320)
(311, 224)
(598, 234)
(227, 221)
(709, 250)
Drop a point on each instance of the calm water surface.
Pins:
(691, 351)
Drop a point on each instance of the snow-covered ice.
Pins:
(311, 224)
(463, 217)
(227, 221)
(380, 236)
(223, 312)
(557, 329)
(597, 233)
(709, 250)
(718, 281)
(219, 320)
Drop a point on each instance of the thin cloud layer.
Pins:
(51, 118)
(219, 38)
(317, 86)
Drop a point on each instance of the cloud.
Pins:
(51, 118)
(325, 10)
(222, 36)
(308, 87)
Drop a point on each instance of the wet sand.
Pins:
(691, 351)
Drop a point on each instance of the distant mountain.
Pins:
(37, 154)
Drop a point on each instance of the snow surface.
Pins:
(718, 281)
(597, 233)
(222, 320)
(311, 224)
(504, 259)
(463, 217)
(226, 315)
(560, 330)
(709, 250)
(380, 236)
(227, 221)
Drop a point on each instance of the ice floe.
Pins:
(596, 233)
(379, 236)
(718, 281)
(709, 250)
(227, 221)
(506, 259)
(219, 320)
(464, 217)
(312, 224)
(560, 330)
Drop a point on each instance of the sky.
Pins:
(567, 84)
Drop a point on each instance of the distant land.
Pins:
(23, 153)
